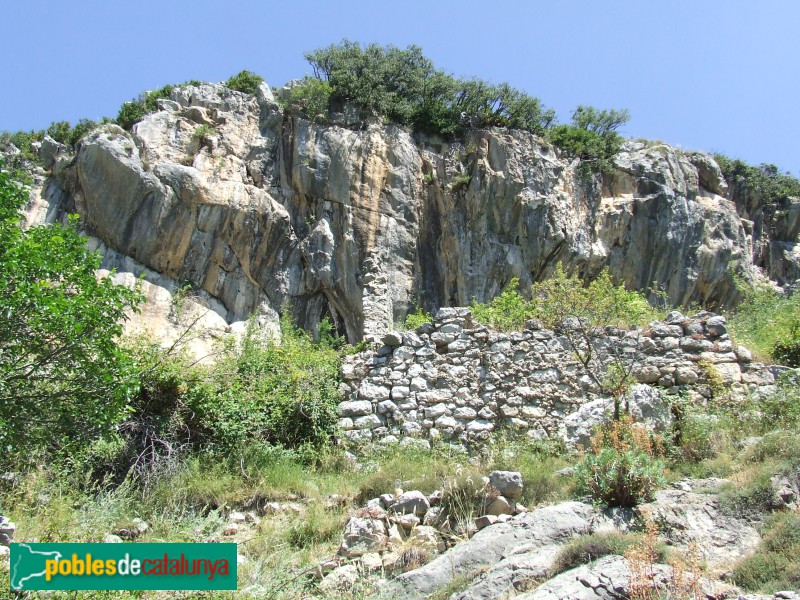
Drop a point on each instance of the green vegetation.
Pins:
(597, 304)
(245, 81)
(592, 136)
(764, 183)
(589, 548)
(64, 133)
(460, 182)
(311, 97)
(134, 111)
(22, 141)
(623, 468)
(776, 564)
(767, 322)
(416, 318)
(63, 378)
(203, 133)
(581, 312)
(404, 86)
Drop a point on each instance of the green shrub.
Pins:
(416, 318)
(618, 478)
(460, 182)
(589, 548)
(752, 493)
(404, 86)
(63, 378)
(592, 136)
(284, 393)
(22, 141)
(60, 131)
(245, 81)
(693, 433)
(775, 566)
(769, 186)
(506, 312)
(787, 352)
(311, 97)
(134, 111)
(78, 132)
(597, 304)
(202, 133)
(622, 469)
(130, 113)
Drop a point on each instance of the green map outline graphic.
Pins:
(15, 567)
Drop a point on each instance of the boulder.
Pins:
(508, 483)
(362, 535)
(412, 502)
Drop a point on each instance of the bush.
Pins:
(134, 111)
(312, 98)
(775, 566)
(506, 312)
(64, 133)
(592, 136)
(416, 318)
(460, 182)
(130, 113)
(622, 469)
(63, 378)
(787, 352)
(404, 86)
(22, 141)
(618, 478)
(286, 393)
(60, 131)
(245, 81)
(769, 186)
(202, 133)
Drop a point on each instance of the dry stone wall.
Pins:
(455, 379)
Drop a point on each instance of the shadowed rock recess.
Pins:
(360, 222)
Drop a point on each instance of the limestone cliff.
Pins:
(255, 207)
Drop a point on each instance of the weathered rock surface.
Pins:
(534, 531)
(689, 519)
(361, 221)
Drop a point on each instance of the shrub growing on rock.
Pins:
(623, 468)
(245, 81)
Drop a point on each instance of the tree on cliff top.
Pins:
(62, 376)
(404, 86)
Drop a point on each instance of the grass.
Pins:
(763, 318)
(775, 566)
(190, 501)
(589, 548)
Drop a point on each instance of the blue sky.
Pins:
(721, 75)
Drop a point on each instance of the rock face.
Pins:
(688, 519)
(359, 222)
(461, 380)
(503, 547)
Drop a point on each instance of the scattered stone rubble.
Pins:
(455, 379)
(401, 531)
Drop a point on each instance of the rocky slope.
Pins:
(254, 207)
